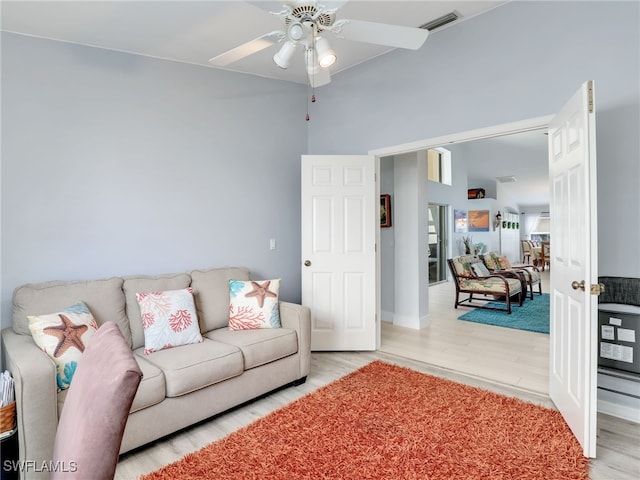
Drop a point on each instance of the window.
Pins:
(439, 165)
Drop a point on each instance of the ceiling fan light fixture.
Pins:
(284, 55)
(295, 32)
(326, 56)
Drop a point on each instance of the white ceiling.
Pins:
(528, 155)
(195, 31)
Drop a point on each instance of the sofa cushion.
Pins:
(254, 304)
(63, 336)
(211, 290)
(191, 367)
(104, 298)
(259, 346)
(169, 319)
(492, 285)
(152, 388)
(147, 283)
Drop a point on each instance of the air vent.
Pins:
(507, 179)
(440, 21)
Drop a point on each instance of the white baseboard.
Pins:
(386, 316)
(409, 321)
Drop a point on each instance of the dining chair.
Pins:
(545, 255)
(526, 251)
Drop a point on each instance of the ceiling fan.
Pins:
(307, 24)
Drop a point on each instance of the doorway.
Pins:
(437, 243)
(455, 345)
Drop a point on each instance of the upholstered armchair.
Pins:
(499, 264)
(96, 409)
(472, 277)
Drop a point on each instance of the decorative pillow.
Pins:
(63, 336)
(480, 270)
(504, 263)
(254, 304)
(491, 261)
(467, 271)
(169, 319)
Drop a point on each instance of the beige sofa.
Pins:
(181, 385)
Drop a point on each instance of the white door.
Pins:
(339, 215)
(573, 333)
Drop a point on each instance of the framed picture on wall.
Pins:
(385, 210)
(475, 193)
(478, 220)
(460, 221)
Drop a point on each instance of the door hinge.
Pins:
(590, 96)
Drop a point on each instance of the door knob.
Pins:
(577, 285)
(307, 263)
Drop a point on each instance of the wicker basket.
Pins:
(7, 417)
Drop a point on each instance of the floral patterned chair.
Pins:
(499, 264)
(471, 276)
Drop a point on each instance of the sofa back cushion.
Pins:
(104, 298)
(211, 291)
(145, 284)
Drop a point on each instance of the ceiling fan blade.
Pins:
(320, 77)
(397, 36)
(246, 49)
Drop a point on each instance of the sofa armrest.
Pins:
(36, 399)
(298, 317)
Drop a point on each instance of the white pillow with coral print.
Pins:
(169, 319)
(254, 304)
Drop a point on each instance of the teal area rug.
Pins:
(533, 315)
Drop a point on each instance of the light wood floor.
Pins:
(504, 355)
(618, 446)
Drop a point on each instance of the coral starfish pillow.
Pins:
(169, 319)
(254, 304)
(63, 336)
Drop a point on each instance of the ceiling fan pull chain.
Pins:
(308, 88)
(311, 84)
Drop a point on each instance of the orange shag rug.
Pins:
(388, 422)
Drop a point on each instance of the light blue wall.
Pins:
(115, 164)
(521, 60)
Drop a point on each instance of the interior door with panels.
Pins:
(339, 215)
